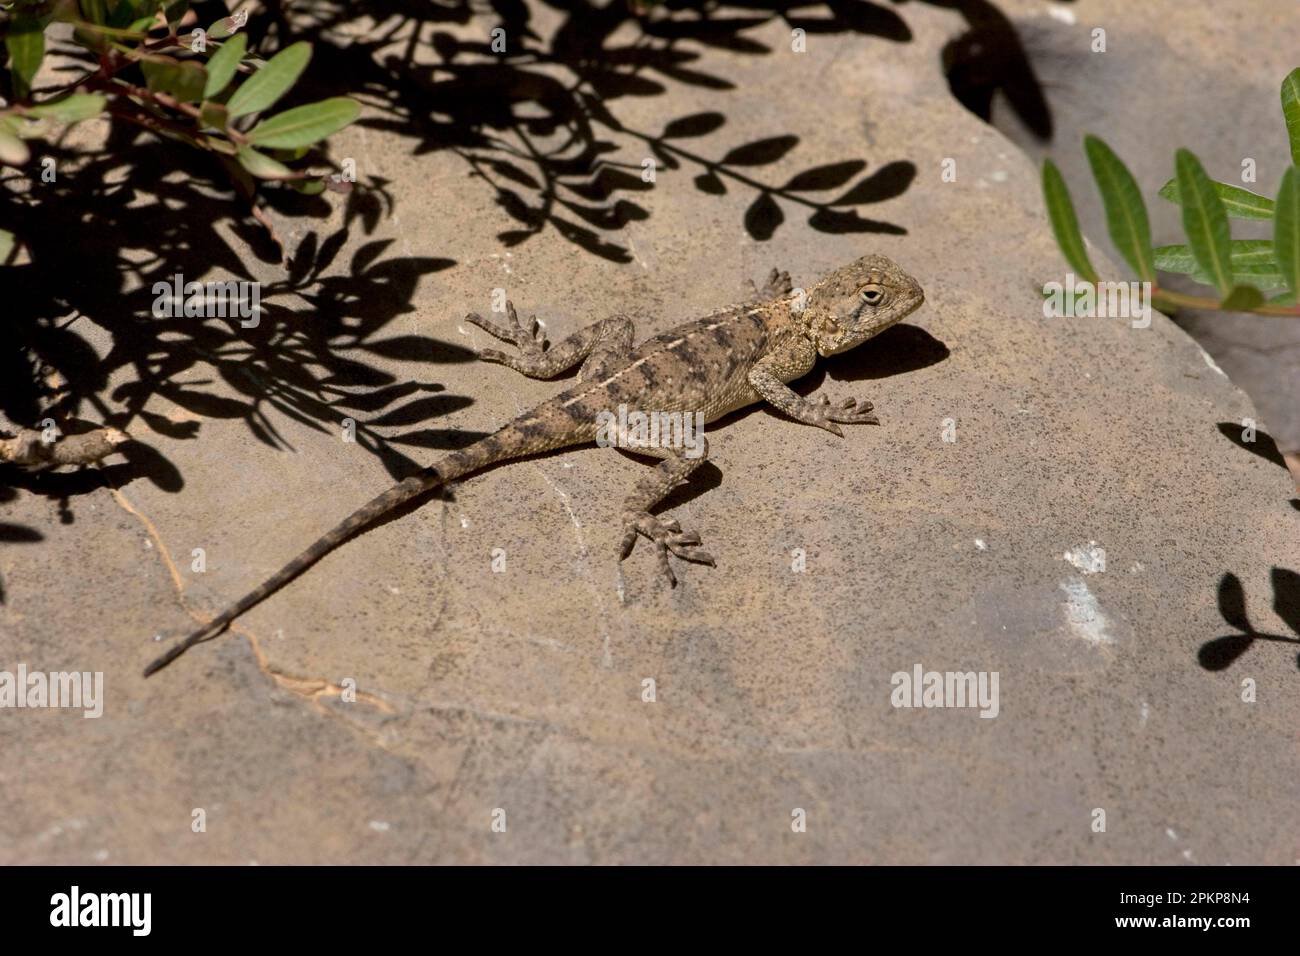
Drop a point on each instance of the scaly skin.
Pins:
(714, 365)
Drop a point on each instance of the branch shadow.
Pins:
(90, 338)
(532, 103)
(1221, 652)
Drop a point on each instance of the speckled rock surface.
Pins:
(521, 695)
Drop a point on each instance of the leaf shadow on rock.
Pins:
(92, 344)
(540, 116)
(989, 59)
(1264, 446)
(1220, 653)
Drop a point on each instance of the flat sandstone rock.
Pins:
(1077, 539)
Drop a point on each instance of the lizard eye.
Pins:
(872, 294)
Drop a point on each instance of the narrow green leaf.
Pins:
(213, 115)
(1286, 229)
(1263, 277)
(183, 79)
(174, 10)
(1060, 210)
(309, 187)
(272, 81)
(1291, 111)
(95, 11)
(305, 125)
(26, 44)
(6, 245)
(13, 151)
(1245, 252)
(1237, 202)
(223, 28)
(71, 109)
(1242, 298)
(261, 165)
(1126, 214)
(1204, 221)
(223, 64)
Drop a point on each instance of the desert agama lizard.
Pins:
(714, 365)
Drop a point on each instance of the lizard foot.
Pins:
(667, 536)
(850, 411)
(531, 341)
(778, 284)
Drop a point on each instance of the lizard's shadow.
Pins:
(895, 351)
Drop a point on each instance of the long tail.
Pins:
(399, 494)
(517, 439)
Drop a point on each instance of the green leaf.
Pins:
(1126, 214)
(1237, 202)
(214, 115)
(1060, 210)
(1245, 252)
(26, 44)
(223, 64)
(309, 187)
(174, 10)
(13, 151)
(127, 11)
(305, 125)
(1204, 221)
(1286, 298)
(223, 28)
(1242, 298)
(95, 11)
(6, 245)
(1291, 112)
(261, 165)
(1286, 229)
(71, 109)
(183, 79)
(272, 81)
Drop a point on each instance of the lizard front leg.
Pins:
(766, 379)
(598, 344)
(778, 284)
(665, 533)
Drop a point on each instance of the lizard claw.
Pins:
(850, 412)
(667, 536)
(530, 341)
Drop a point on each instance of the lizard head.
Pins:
(853, 303)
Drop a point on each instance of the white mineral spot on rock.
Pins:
(101, 856)
(998, 176)
(1137, 568)
(464, 522)
(1083, 614)
(379, 826)
(979, 543)
(1211, 363)
(1146, 712)
(1088, 558)
(1169, 832)
(1063, 14)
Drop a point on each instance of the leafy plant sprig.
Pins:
(201, 88)
(1247, 275)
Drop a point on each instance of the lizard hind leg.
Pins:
(664, 533)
